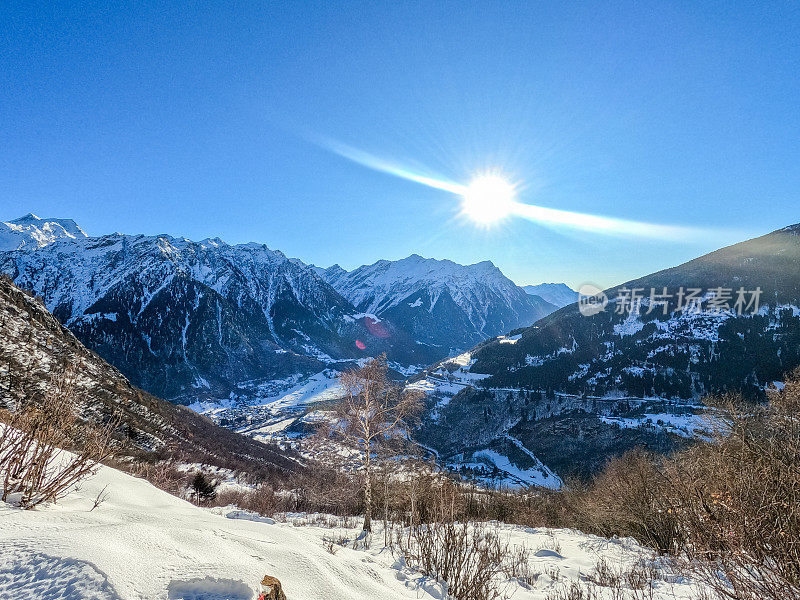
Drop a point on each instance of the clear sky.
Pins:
(204, 120)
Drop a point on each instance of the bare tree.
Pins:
(371, 419)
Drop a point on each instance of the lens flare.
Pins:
(489, 200)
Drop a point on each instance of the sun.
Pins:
(487, 200)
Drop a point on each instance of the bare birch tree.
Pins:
(371, 418)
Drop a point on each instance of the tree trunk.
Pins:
(368, 495)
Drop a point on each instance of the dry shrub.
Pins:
(728, 510)
(323, 488)
(164, 474)
(333, 543)
(636, 582)
(468, 557)
(574, 591)
(33, 460)
(740, 500)
(631, 498)
(261, 500)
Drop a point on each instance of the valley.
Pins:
(399, 300)
(255, 341)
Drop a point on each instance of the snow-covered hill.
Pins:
(143, 544)
(536, 437)
(559, 294)
(440, 302)
(36, 351)
(187, 320)
(663, 345)
(577, 389)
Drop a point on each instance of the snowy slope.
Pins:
(143, 544)
(559, 294)
(32, 232)
(443, 303)
(534, 437)
(667, 350)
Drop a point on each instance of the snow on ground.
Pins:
(462, 360)
(540, 475)
(273, 405)
(548, 478)
(317, 388)
(684, 425)
(143, 544)
(276, 401)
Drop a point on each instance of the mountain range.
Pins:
(552, 391)
(576, 388)
(192, 320)
(441, 303)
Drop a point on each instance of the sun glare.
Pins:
(488, 200)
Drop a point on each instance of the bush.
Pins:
(203, 488)
(631, 497)
(727, 510)
(261, 500)
(468, 557)
(739, 500)
(33, 461)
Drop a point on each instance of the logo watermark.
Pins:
(636, 301)
(591, 300)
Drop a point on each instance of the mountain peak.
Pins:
(443, 303)
(26, 218)
(559, 294)
(31, 231)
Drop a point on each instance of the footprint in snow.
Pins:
(209, 588)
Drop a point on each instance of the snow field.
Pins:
(142, 543)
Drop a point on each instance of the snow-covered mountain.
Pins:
(559, 294)
(36, 351)
(667, 347)
(186, 320)
(32, 232)
(576, 389)
(441, 303)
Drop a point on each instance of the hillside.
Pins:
(571, 391)
(35, 347)
(683, 353)
(143, 544)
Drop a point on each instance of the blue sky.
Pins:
(203, 121)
